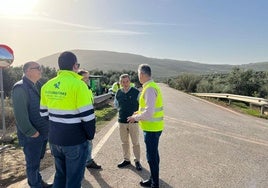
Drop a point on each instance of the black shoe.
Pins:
(46, 185)
(123, 164)
(146, 183)
(94, 165)
(138, 166)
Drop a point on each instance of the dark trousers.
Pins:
(70, 163)
(151, 140)
(34, 150)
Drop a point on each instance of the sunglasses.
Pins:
(37, 68)
(78, 65)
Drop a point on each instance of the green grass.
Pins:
(104, 115)
(239, 105)
(254, 111)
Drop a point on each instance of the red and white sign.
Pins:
(6, 55)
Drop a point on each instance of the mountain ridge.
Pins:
(118, 61)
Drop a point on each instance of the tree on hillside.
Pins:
(238, 81)
(10, 77)
(13, 74)
(213, 83)
(48, 73)
(246, 82)
(185, 82)
(261, 80)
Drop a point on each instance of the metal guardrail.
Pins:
(101, 99)
(251, 100)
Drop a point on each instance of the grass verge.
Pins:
(103, 115)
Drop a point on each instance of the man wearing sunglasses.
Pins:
(32, 129)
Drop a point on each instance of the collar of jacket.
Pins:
(69, 73)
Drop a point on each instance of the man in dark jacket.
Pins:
(32, 129)
(126, 100)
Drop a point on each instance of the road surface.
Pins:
(203, 145)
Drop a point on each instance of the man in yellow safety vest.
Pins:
(150, 116)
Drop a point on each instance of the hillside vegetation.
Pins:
(162, 68)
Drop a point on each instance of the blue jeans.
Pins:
(89, 156)
(34, 150)
(151, 140)
(70, 163)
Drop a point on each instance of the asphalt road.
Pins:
(203, 145)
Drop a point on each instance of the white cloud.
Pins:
(70, 27)
(143, 23)
(49, 20)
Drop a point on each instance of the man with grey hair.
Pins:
(32, 129)
(150, 116)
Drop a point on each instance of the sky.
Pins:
(206, 31)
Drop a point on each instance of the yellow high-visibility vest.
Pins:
(115, 87)
(156, 123)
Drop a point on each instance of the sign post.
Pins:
(6, 58)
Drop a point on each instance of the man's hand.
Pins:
(131, 119)
(36, 134)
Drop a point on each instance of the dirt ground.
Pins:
(12, 165)
(12, 162)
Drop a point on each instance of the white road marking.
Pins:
(103, 140)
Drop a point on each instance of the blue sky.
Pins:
(204, 31)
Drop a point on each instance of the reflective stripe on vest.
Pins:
(66, 99)
(156, 123)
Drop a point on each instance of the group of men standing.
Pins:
(61, 112)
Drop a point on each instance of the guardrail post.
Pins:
(262, 109)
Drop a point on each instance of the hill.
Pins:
(107, 60)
